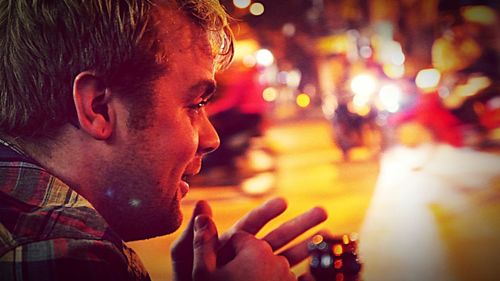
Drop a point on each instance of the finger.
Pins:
(242, 241)
(297, 253)
(205, 244)
(182, 247)
(300, 251)
(306, 277)
(253, 221)
(295, 227)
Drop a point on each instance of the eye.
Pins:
(199, 105)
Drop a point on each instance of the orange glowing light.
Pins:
(338, 250)
(317, 239)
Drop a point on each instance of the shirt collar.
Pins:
(37, 187)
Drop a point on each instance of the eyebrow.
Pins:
(205, 87)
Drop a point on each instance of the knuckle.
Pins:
(283, 262)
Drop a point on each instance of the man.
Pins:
(102, 122)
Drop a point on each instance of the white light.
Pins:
(242, 4)
(256, 9)
(360, 100)
(398, 58)
(365, 52)
(390, 97)
(270, 94)
(293, 79)
(364, 84)
(264, 57)
(428, 78)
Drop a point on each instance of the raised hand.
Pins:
(251, 223)
(253, 259)
(256, 219)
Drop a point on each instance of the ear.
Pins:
(92, 99)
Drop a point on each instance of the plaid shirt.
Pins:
(49, 232)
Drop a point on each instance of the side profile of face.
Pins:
(145, 177)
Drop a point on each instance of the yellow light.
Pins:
(428, 78)
(338, 250)
(474, 85)
(270, 94)
(242, 4)
(303, 100)
(317, 239)
(394, 71)
(345, 239)
(245, 48)
(479, 14)
(256, 9)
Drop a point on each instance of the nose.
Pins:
(208, 137)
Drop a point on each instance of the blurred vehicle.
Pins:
(334, 258)
(363, 109)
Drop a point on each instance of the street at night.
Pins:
(250, 140)
(416, 220)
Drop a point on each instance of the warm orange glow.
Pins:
(244, 48)
(317, 239)
(338, 250)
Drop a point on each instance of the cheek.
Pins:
(184, 141)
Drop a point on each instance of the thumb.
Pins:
(205, 243)
(182, 247)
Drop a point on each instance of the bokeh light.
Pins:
(242, 4)
(303, 100)
(257, 9)
(428, 78)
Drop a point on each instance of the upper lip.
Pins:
(193, 169)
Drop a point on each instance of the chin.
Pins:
(149, 226)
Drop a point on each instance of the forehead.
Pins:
(178, 33)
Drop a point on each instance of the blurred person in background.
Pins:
(238, 115)
(102, 122)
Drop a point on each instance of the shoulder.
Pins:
(71, 259)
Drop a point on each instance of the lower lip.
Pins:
(184, 187)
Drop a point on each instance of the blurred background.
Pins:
(384, 112)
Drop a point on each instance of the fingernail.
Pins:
(200, 223)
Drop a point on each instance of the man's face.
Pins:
(148, 174)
